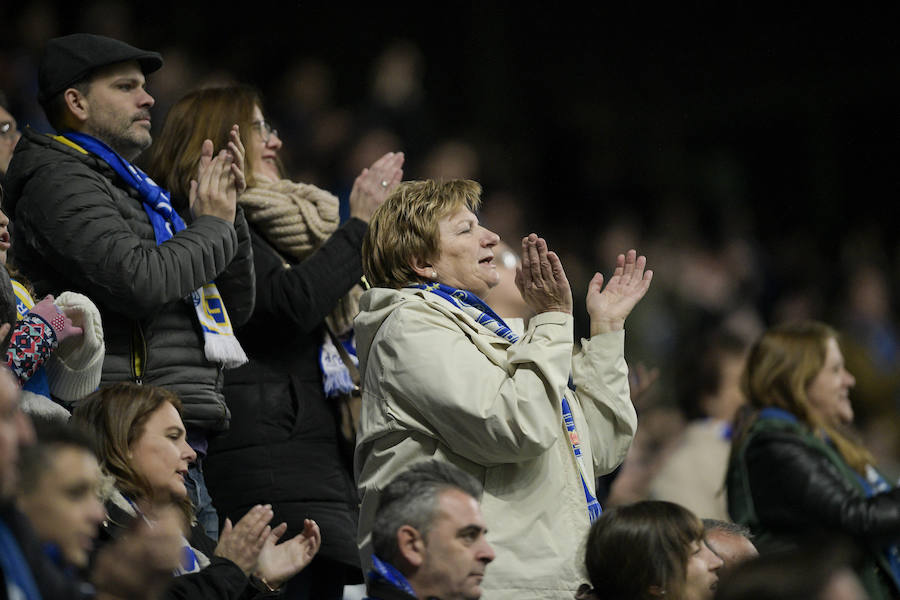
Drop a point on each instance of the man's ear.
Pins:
(77, 105)
(423, 268)
(411, 545)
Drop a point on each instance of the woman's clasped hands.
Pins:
(544, 287)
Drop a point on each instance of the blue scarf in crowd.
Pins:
(220, 344)
(382, 571)
(19, 579)
(476, 308)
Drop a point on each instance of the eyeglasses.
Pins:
(9, 128)
(265, 130)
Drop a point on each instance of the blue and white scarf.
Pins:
(336, 378)
(476, 308)
(220, 344)
(382, 571)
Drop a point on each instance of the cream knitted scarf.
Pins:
(296, 218)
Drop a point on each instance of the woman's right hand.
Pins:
(374, 184)
(242, 543)
(541, 279)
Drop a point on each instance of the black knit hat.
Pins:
(71, 58)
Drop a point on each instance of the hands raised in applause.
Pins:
(372, 187)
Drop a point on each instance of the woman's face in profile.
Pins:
(266, 144)
(829, 391)
(702, 575)
(161, 454)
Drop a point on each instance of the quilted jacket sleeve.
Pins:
(237, 283)
(76, 219)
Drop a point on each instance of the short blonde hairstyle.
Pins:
(406, 228)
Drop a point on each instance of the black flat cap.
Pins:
(70, 58)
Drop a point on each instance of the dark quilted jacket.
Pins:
(78, 227)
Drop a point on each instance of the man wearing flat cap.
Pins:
(170, 287)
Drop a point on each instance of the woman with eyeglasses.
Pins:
(284, 445)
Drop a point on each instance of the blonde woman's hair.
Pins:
(406, 228)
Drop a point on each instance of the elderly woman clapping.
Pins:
(444, 377)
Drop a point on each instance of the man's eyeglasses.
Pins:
(265, 130)
(8, 128)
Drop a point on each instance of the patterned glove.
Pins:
(58, 320)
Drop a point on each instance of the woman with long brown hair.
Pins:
(284, 445)
(141, 445)
(796, 468)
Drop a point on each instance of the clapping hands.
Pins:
(279, 562)
(253, 546)
(220, 179)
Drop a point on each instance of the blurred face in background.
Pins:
(829, 391)
(9, 137)
(64, 505)
(15, 431)
(5, 240)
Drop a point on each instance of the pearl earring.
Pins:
(434, 274)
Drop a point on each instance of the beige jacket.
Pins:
(437, 384)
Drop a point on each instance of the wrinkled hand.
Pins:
(59, 320)
(609, 307)
(541, 279)
(140, 563)
(374, 185)
(242, 543)
(280, 562)
(214, 192)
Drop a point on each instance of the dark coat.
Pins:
(284, 447)
(785, 483)
(79, 227)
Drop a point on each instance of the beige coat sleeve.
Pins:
(601, 378)
(486, 400)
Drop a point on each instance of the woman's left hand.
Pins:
(374, 185)
(280, 562)
(609, 307)
(243, 543)
(238, 154)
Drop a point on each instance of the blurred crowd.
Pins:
(728, 266)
